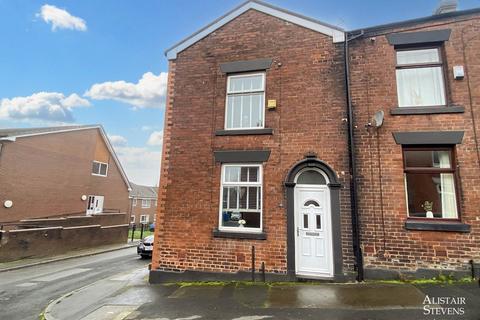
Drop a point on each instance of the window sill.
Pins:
(437, 226)
(242, 132)
(426, 110)
(239, 235)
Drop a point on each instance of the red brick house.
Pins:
(143, 204)
(269, 145)
(59, 171)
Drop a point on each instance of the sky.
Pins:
(102, 62)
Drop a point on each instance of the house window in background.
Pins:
(145, 203)
(430, 182)
(99, 168)
(420, 81)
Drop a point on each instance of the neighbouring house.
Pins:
(143, 204)
(59, 171)
(321, 153)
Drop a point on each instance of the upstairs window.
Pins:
(245, 101)
(430, 183)
(134, 202)
(241, 198)
(420, 80)
(145, 203)
(99, 168)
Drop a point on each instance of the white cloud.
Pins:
(47, 106)
(147, 128)
(155, 139)
(61, 19)
(148, 92)
(141, 164)
(117, 140)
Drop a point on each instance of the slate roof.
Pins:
(139, 191)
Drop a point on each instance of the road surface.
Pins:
(24, 293)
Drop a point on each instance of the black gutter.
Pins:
(357, 250)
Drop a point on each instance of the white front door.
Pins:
(313, 238)
(95, 205)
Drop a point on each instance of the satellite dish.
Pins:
(377, 119)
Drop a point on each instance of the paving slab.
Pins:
(110, 313)
(130, 297)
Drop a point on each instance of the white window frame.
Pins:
(148, 202)
(100, 165)
(228, 93)
(132, 220)
(246, 184)
(134, 202)
(144, 221)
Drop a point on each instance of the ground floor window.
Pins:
(143, 218)
(241, 198)
(430, 182)
(132, 219)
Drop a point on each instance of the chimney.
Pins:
(446, 6)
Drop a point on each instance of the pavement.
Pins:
(25, 292)
(129, 296)
(30, 262)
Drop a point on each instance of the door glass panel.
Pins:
(311, 177)
(311, 202)
(319, 221)
(305, 221)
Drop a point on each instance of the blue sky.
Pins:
(90, 61)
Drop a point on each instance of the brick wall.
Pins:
(309, 89)
(383, 212)
(42, 242)
(46, 175)
(138, 211)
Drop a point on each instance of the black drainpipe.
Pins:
(357, 250)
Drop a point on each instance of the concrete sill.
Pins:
(239, 235)
(426, 110)
(244, 132)
(437, 226)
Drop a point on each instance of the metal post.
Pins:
(253, 263)
(141, 231)
(133, 231)
(263, 271)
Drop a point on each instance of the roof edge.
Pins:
(392, 25)
(335, 32)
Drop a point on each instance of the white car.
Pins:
(145, 247)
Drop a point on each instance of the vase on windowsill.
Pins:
(241, 223)
(428, 207)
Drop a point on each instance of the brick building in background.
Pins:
(269, 145)
(59, 171)
(143, 204)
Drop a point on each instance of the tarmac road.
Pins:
(24, 293)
